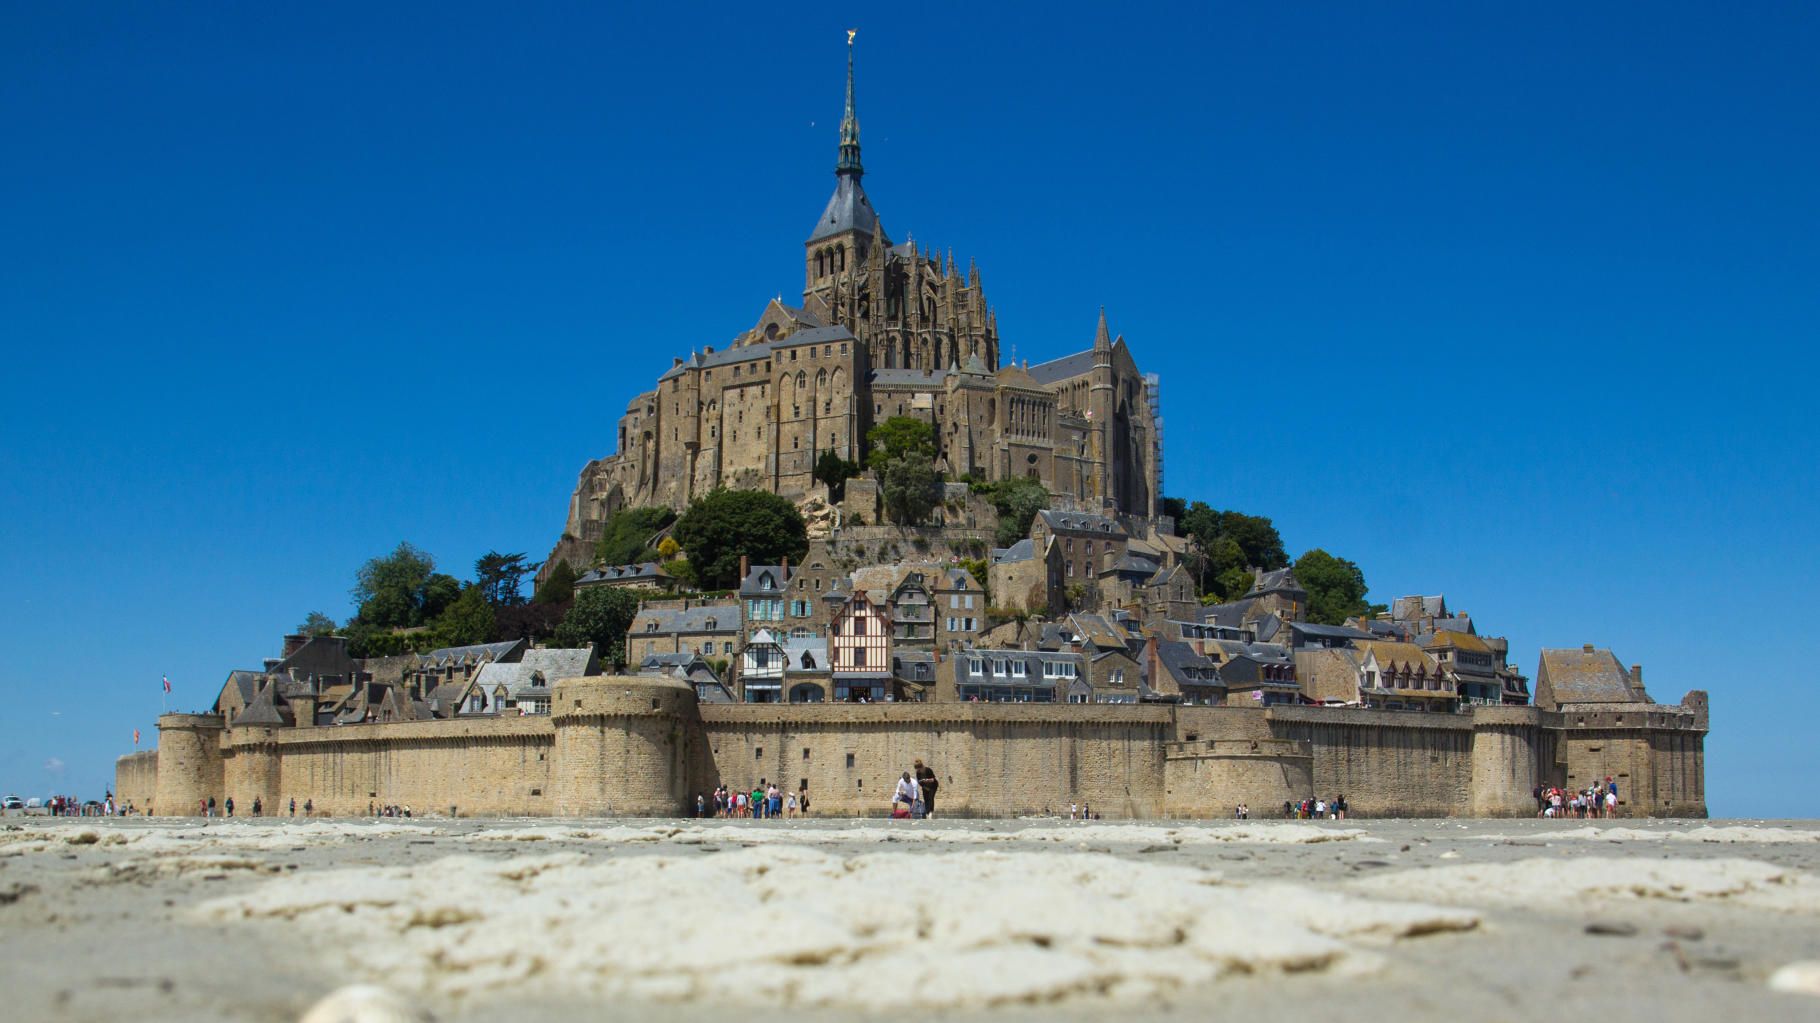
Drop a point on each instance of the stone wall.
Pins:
(992, 759)
(642, 746)
(136, 780)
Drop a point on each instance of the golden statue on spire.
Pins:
(850, 34)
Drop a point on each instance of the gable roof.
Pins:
(1081, 522)
(726, 619)
(1064, 368)
(765, 581)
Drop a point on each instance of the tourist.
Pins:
(1340, 806)
(258, 807)
(309, 807)
(774, 800)
(293, 806)
(905, 794)
(701, 805)
(211, 807)
(926, 780)
(1074, 810)
(790, 805)
(802, 798)
(758, 801)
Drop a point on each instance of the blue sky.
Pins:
(1518, 306)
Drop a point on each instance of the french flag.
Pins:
(167, 683)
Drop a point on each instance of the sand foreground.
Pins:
(685, 920)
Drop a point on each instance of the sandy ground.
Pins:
(835, 920)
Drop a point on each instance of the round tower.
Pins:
(1505, 769)
(621, 746)
(189, 764)
(251, 770)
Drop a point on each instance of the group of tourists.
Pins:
(1313, 808)
(1596, 801)
(765, 801)
(914, 796)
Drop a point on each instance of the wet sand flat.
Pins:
(842, 919)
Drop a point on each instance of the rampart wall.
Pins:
(643, 747)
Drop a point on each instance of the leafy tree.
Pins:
(1336, 587)
(981, 571)
(389, 590)
(911, 488)
(317, 624)
(1175, 508)
(1017, 501)
(1234, 583)
(532, 622)
(679, 570)
(468, 619)
(835, 471)
(626, 537)
(668, 548)
(501, 578)
(1230, 540)
(439, 591)
(558, 587)
(599, 617)
(896, 438)
(723, 524)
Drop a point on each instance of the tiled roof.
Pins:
(1281, 580)
(908, 378)
(642, 571)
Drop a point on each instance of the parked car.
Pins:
(34, 803)
(13, 803)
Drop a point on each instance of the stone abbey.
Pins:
(884, 329)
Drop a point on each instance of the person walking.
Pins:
(293, 806)
(928, 783)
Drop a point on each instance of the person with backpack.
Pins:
(928, 783)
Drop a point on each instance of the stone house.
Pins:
(1254, 673)
(1025, 577)
(764, 590)
(1401, 676)
(709, 628)
(1085, 542)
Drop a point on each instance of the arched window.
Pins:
(802, 379)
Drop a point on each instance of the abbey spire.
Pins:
(849, 124)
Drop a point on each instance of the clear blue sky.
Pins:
(1518, 306)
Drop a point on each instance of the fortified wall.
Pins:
(642, 746)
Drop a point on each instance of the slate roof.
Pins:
(1023, 550)
(726, 619)
(815, 646)
(1327, 631)
(644, 571)
(470, 654)
(1586, 676)
(1457, 640)
(1281, 580)
(802, 316)
(261, 710)
(554, 664)
(1179, 658)
(914, 666)
(1403, 609)
(1263, 653)
(1081, 522)
(753, 584)
(848, 209)
(1064, 368)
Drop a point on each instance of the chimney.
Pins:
(1636, 675)
(292, 644)
(745, 566)
(675, 362)
(707, 349)
(786, 565)
(1587, 648)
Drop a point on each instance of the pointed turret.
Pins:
(1102, 340)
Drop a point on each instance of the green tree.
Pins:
(467, 620)
(439, 591)
(1229, 540)
(626, 536)
(723, 524)
(896, 438)
(599, 618)
(389, 589)
(1336, 587)
(559, 586)
(501, 578)
(911, 488)
(317, 624)
(1017, 501)
(835, 471)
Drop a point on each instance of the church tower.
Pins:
(848, 228)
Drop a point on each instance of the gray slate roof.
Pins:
(908, 378)
(1081, 522)
(848, 209)
(1179, 658)
(753, 585)
(644, 571)
(726, 619)
(1064, 368)
(1281, 580)
(1023, 550)
(1587, 676)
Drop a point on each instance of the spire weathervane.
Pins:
(849, 122)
